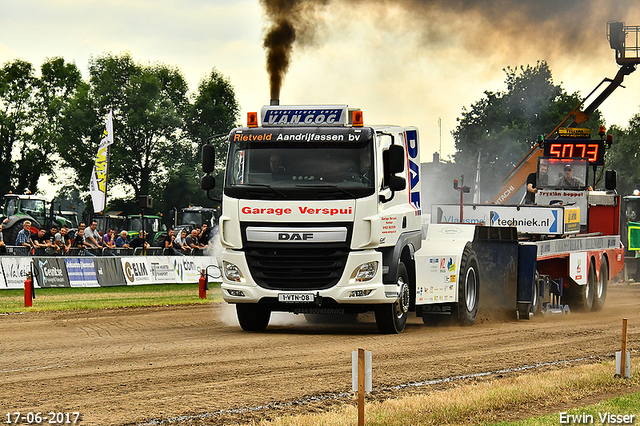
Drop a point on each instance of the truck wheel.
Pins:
(583, 294)
(600, 293)
(252, 317)
(391, 318)
(468, 287)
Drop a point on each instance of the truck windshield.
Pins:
(192, 218)
(300, 163)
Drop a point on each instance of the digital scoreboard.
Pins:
(592, 150)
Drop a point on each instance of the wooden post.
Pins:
(623, 358)
(360, 387)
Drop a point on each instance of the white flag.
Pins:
(476, 189)
(98, 183)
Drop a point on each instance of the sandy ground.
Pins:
(140, 365)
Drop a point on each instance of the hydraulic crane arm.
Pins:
(628, 57)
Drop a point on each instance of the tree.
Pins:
(29, 111)
(505, 125)
(214, 111)
(17, 86)
(624, 155)
(149, 103)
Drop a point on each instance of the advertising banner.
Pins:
(528, 219)
(50, 272)
(188, 267)
(136, 270)
(15, 270)
(81, 271)
(109, 271)
(162, 270)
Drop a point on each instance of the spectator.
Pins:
(78, 240)
(167, 243)
(193, 242)
(92, 236)
(180, 244)
(50, 236)
(62, 240)
(108, 239)
(123, 240)
(205, 234)
(3, 247)
(24, 236)
(39, 241)
(139, 241)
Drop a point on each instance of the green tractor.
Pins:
(133, 224)
(152, 225)
(630, 234)
(17, 209)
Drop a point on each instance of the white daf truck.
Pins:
(322, 215)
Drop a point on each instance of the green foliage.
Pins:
(29, 119)
(624, 155)
(158, 129)
(505, 124)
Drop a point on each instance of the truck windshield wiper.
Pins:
(310, 185)
(264, 185)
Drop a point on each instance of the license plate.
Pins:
(295, 297)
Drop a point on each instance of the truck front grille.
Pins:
(296, 268)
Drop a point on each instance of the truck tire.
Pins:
(468, 287)
(252, 317)
(600, 293)
(391, 318)
(582, 299)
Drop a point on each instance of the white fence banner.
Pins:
(15, 270)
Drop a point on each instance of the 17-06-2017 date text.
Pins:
(48, 417)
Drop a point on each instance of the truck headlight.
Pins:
(232, 272)
(364, 272)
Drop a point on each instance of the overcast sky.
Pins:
(405, 62)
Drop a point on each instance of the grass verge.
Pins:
(488, 402)
(68, 299)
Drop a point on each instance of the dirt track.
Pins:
(130, 366)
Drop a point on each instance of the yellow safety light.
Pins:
(252, 119)
(358, 120)
(602, 131)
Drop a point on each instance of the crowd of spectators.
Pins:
(89, 240)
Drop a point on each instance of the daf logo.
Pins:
(294, 236)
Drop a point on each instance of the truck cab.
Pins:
(321, 215)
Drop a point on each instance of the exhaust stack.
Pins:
(275, 102)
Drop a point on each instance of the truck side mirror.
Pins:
(208, 158)
(396, 159)
(208, 182)
(397, 183)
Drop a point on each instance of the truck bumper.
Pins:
(347, 291)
